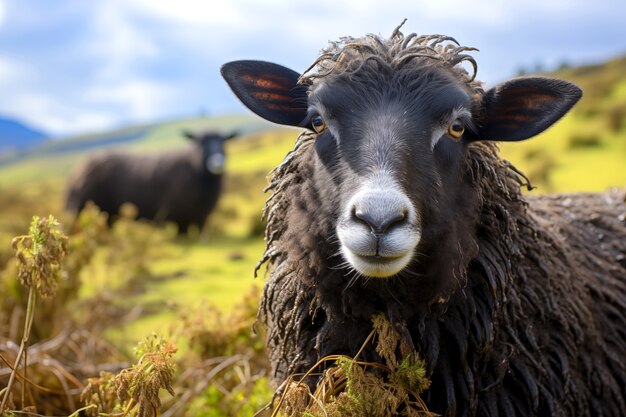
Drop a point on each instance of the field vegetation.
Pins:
(135, 320)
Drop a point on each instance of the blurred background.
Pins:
(82, 76)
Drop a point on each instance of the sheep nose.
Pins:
(379, 223)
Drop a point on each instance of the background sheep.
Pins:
(178, 186)
(395, 200)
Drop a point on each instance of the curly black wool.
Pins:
(517, 304)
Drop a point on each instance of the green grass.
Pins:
(169, 135)
(34, 170)
(216, 267)
(217, 272)
(259, 152)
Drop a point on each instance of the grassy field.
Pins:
(214, 266)
(586, 151)
(149, 276)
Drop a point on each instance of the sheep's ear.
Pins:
(524, 107)
(232, 135)
(270, 90)
(189, 135)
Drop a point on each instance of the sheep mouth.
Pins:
(377, 266)
(380, 258)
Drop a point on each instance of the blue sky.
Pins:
(75, 66)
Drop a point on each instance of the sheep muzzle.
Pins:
(378, 230)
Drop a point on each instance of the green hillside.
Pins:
(217, 266)
(55, 158)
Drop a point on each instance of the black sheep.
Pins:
(179, 186)
(395, 200)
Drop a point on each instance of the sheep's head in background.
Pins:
(393, 119)
(212, 145)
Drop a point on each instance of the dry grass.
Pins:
(223, 361)
(350, 387)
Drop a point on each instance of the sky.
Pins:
(78, 66)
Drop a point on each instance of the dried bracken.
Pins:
(225, 370)
(349, 387)
(61, 354)
(41, 254)
(139, 385)
(135, 390)
(100, 395)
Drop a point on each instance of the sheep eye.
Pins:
(456, 129)
(319, 125)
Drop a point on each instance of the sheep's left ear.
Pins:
(524, 107)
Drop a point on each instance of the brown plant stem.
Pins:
(28, 322)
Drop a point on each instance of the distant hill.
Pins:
(54, 158)
(15, 135)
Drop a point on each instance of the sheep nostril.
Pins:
(393, 219)
(364, 217)
(354, 215)
(379, 225)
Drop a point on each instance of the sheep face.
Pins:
(212, 147)
(387, 144)
(392, 131)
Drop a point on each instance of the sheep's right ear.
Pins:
(232, 135)
(526, 106)
(270, 90)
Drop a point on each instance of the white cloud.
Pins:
(116, 42)
(348, 16)
(137, 99)
(57, 116)
(197, 11)
(99, 108)
(224, 28)
(2, 12)
(13, 72)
